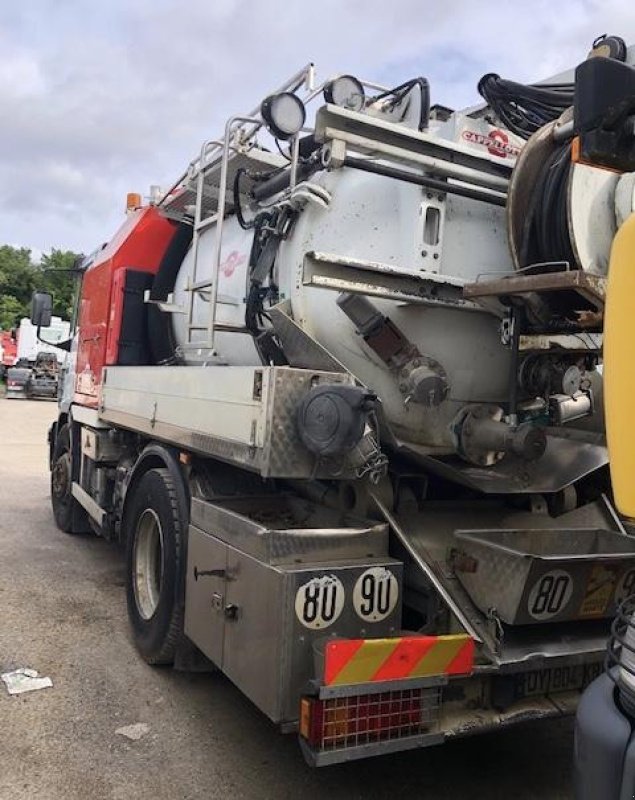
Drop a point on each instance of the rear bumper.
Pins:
(347, 722)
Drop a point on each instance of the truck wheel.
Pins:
(65, 507)
(154, 554)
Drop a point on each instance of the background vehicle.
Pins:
(340, 402)
(44, 377)
(29, 347)
(17, 382)
(36, 366)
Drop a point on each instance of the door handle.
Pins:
(216, 573)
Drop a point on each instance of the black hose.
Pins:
(244, 224)
(282, 180)
(546, 233)
(524, 109)
(399, 92)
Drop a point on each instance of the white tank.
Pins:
(380, 220)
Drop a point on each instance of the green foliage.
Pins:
(58, 280)
(11, 310)
(19, 277)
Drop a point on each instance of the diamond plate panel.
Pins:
(285, 454)
(500, 568)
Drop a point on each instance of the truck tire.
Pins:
(66, 509)
(154, 557)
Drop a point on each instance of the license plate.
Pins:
(552, 680)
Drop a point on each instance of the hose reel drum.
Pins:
(584, 210)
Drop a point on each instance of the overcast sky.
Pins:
(102, 97)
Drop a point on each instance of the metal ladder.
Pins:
(205, 187)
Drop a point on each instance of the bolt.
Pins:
(436, 255)
(424, 253)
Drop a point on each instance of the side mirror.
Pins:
(41, 309)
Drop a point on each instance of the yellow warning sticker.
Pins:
(599, 591)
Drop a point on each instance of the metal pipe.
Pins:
(611, 509)
(438, 165)
(512, 390)
(295, 155)
(563, 132)
(435, 184)
(426, 569)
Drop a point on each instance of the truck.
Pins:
(44, 377)
(35, 370)
(336, 392)
(30, 346)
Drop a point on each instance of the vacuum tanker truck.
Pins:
(337, 393)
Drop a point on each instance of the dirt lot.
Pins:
(62, 612)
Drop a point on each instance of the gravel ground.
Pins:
(62, 612)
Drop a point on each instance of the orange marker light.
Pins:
(133, 201)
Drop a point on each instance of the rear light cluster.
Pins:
(341, 722)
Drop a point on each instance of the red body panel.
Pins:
(139, 244)
(9, 348)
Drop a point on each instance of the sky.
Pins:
(99, 98)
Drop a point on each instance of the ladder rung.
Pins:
(218, 326)
(205, 223)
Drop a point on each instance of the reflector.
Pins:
(342, 722)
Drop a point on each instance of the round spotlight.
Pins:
(284, 114)
(345, 91)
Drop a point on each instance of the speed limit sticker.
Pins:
(375, 594)
(550, 594)
(319, 602)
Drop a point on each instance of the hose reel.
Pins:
(559, 211)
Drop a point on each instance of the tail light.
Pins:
(342, 722)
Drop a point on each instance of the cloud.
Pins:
(99, 99)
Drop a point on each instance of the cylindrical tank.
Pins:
(384, 221)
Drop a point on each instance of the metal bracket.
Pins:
(165, 305)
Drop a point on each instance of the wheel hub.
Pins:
(60, 476)
(148, 563)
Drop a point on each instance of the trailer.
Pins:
(336, 393)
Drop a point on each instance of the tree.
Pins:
(58, 279)
(11, 311)
(17, 281)
(19, 277)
